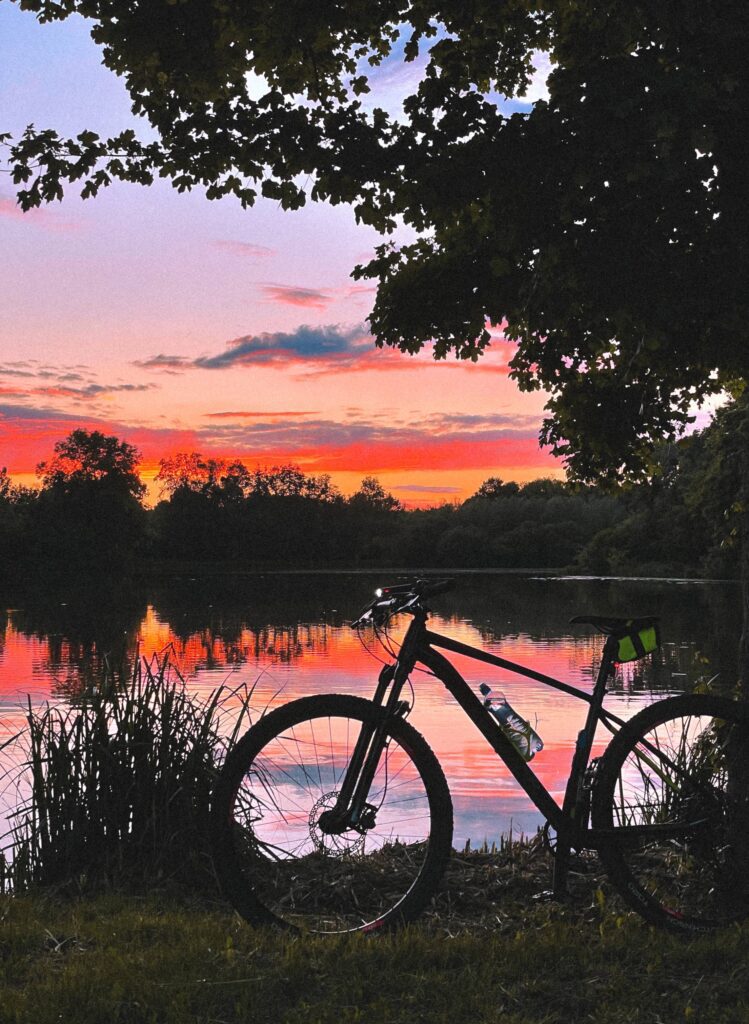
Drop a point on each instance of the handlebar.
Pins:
(402, 597)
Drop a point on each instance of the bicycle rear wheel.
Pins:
(672, 786)
(275, 863)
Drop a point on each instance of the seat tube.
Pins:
(574, 801)
(587, 734)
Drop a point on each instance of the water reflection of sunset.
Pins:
(286, 641)
(210, 649)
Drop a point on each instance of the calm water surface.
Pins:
(286, 636)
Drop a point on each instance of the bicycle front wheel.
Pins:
(276, 864)
(672, 790)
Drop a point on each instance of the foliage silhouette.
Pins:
(233, 516)
(605, 226)
(89, 510)
(614, 243)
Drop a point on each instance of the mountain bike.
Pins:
(332, 813)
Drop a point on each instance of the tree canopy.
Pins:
(607, 226)
(213, 513)
(192, 472)
(89, 456)
(373, 497)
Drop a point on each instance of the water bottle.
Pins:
(522, 735)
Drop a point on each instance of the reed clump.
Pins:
(114, 789)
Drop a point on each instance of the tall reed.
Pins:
(117, 785)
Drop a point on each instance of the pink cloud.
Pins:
(360, 289)
(317, 351)
(167, 364)
(304, 345)
(247, 249)
(47, 219)
(86, 392)
(310, 298)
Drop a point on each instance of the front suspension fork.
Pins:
(351, 809)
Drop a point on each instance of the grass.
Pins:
(485, 952)
(97, 930)
(153, 961)
(115, 786)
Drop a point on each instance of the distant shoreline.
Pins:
(57, 575)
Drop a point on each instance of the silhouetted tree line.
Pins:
(88, 514)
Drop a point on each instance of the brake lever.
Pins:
(384, 610)
(368, 615)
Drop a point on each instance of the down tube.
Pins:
(473, 707)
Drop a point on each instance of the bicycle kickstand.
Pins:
(559, 889)
(558, 893)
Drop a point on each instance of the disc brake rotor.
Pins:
(350, 842)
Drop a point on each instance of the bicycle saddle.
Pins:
(615, 627)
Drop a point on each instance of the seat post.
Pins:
(605, 669)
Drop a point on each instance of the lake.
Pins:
(285, 635)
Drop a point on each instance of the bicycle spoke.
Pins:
(337, 879)
(678, 827)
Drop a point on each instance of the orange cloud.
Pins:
(258, 415)
(495, 444)
(442, 454)
(27, 436)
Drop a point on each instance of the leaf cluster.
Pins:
(606, 227)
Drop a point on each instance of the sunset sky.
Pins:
(183, 324)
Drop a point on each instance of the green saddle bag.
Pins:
(640, 638)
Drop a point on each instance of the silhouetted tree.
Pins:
(89, 512)
(496, 488)
(86, 457)
(189, 470)
(16, 524)
(373, 497)
(289, 481)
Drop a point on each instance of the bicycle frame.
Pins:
(421, 646)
